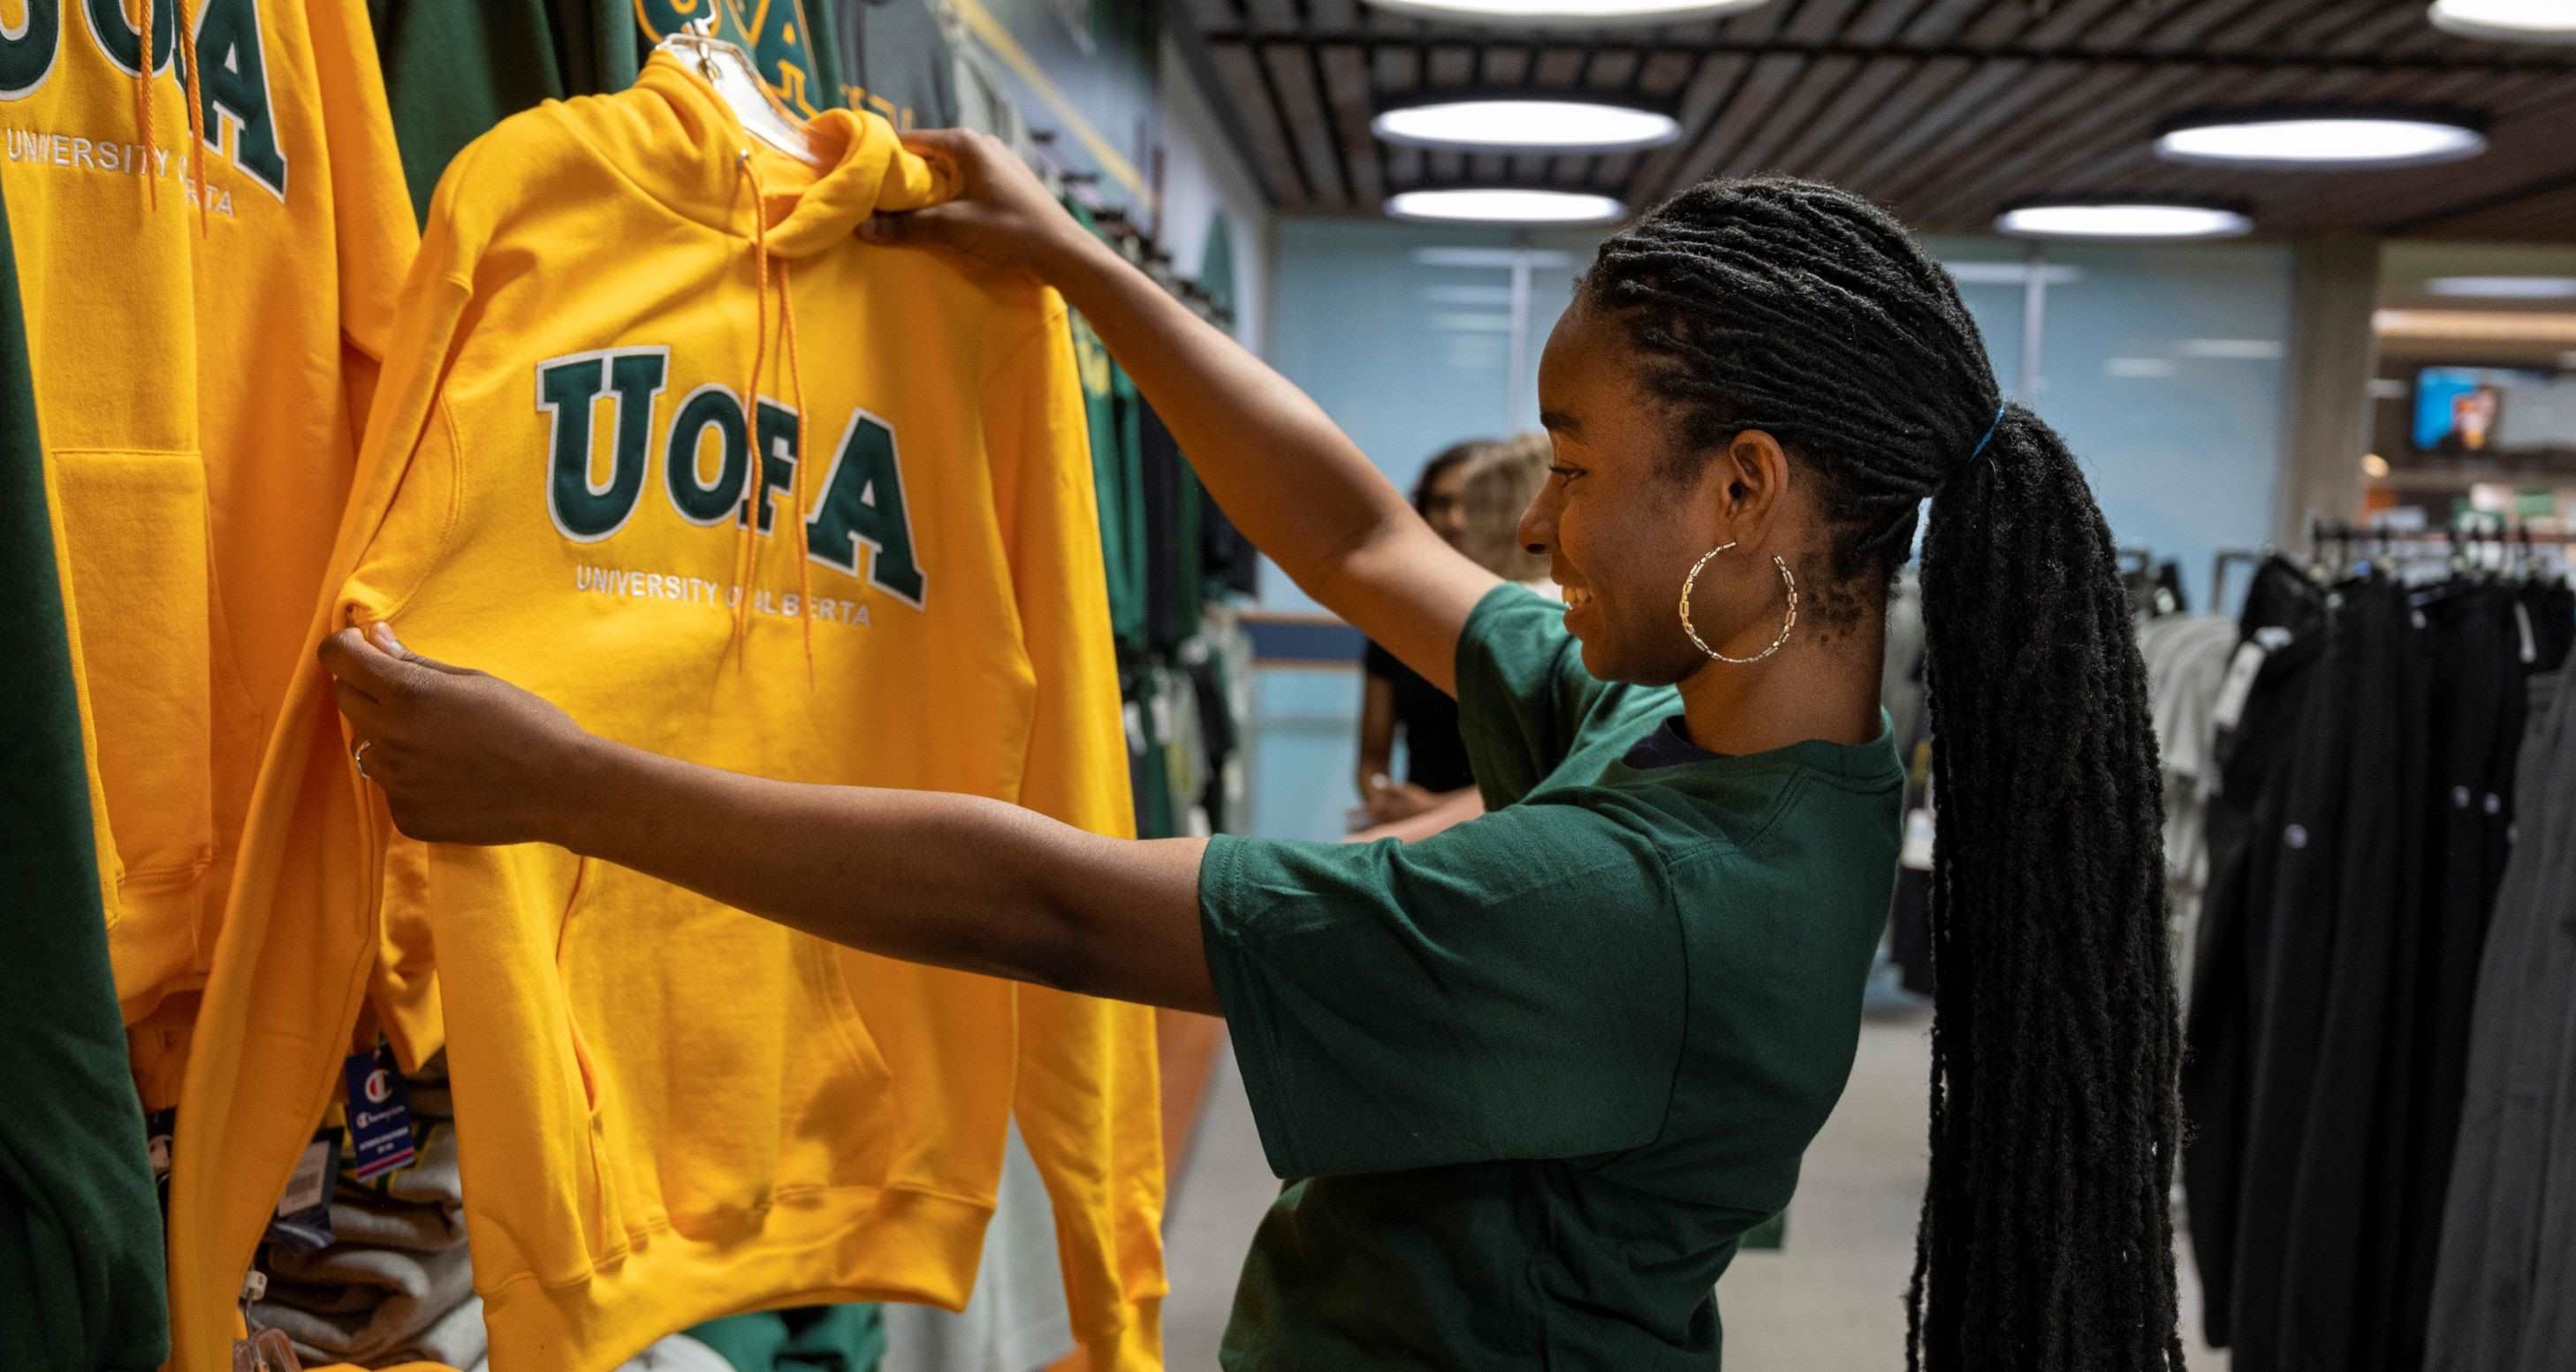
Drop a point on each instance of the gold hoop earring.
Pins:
(1786, 625)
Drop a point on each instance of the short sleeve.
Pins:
(1512, 988)
(1522, 692)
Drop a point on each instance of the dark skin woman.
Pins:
(1535, 1076)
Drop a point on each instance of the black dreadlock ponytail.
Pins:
(2046, 1241)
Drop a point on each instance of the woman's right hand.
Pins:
(1001, 216)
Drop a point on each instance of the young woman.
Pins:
(1536, 1075)
(1395, 697)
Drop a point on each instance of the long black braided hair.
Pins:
(2046, 1241)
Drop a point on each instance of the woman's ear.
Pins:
(1755, 474)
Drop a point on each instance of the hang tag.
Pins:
(2241, 672)
(159, 1128)
(1917, 853)
(2530, 645)
(303, 1218)
(265, 1351)
(380, 1138)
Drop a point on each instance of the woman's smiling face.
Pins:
(1620, 531)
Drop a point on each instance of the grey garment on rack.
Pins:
(1900, 681)
(2187, 658)
(1015, 1319)
(2508, 1249)
(396, 1283)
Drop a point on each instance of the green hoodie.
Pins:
(81, 1279)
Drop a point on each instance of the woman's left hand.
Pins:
(462, 757)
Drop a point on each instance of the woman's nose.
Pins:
(1538, 525)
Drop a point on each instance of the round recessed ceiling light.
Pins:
(1587, 124)
(2321, 139)
(2513, 21)
(1571, 11)
(1504, 205)
(2121, 219)
(2504, 287)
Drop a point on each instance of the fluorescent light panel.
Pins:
(1505, 205)
(2131, 220)
(2475, 326)
(2354, 140)
(1571, 11)
(2514, 21)
(2504, 287)
(1584, 124)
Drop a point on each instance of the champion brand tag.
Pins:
(379, 1114)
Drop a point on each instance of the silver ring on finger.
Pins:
(359, 756)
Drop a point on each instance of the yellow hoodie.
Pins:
(672, 1110)
(204, 365)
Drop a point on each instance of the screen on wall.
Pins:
(2462, 411)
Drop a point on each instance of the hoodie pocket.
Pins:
(134, 528)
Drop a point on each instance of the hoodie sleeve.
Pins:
(294, 960)
(371, 216)
(1088, 1100)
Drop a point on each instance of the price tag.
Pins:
(303, 1218)
(2239, 685)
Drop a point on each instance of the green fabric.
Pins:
(81, 1266)
(1149, 771)
(455, 68)
(1536, 1076)
(823, 1338)
(1111, 408)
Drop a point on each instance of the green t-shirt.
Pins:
(1538, 1074)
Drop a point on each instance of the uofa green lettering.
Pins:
(863, 503)
(777, 458)
(123, 46)
(708, 406)
(233, 72)
(566, 390)
(27, 56)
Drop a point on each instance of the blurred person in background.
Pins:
(1500, 481)
(1396, 699)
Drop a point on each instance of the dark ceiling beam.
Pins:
(1238, 71)
(2494, 61)
(1346, 90)
(1301, 107)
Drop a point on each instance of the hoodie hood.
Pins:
(684, 147)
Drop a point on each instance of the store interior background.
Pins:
(2220, 395)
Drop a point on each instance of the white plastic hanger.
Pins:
(728, 69)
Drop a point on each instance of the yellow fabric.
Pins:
(675, 1111)
(203, 380)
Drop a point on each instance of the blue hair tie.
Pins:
(1980, 450)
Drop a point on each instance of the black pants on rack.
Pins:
(2245, 821)
(2475, 707)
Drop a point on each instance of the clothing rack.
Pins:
(1120, 230)
(2342, 535)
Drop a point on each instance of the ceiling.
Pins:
(1943, 110)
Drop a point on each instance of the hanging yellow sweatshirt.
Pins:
(205, 328)
(835, 530)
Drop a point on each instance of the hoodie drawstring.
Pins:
(796, 474)
(144, 68)
(187, 60)
(746, 556)
(143, 97)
